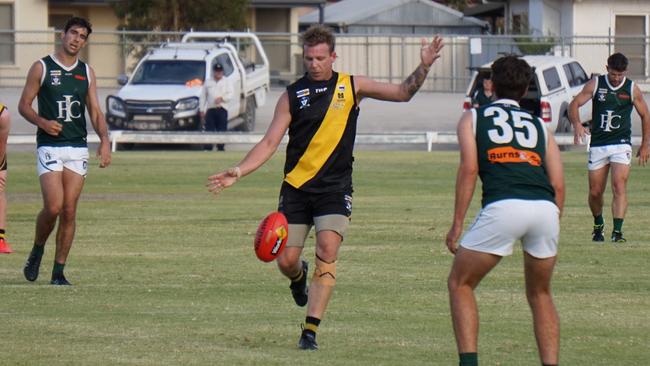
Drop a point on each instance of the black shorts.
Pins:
(301, 207)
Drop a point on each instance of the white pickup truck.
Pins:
(163, 91)
(555, 82)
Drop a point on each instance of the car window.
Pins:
(569, 74)
(575, 74)
(168, 72)
(225, 61)
(552, 78)
(579, 75)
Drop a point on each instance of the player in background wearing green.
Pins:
(519, 165)
(5, 124)
(66, 87)
(613, 96)
(320, 112)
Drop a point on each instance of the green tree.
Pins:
(181, 15)
(153, 17)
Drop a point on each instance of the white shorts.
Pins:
(55, 158)
(600, 156)
(500, 224)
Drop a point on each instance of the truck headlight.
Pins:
(115, 106)
(187, 104)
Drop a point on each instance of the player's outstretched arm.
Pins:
(98, 121)
(587, 92)
(642, 108)
(429, 53)
(32, 86)
(260, 153)
(465, 179)
(553, 165)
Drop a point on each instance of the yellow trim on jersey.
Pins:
(327, 137)
(2, 108)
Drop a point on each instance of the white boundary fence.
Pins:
(428, 138)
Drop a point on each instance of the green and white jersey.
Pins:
(62, 97)
(611, 111)
(511, 147)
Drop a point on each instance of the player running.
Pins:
(519, 165)
(320, 111)
(612, 96)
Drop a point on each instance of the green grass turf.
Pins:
(165, 274)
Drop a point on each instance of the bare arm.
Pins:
(260, 153)
(366, 87)
(583, 97)
(553, 164)
(465, 179)
(98, 121)
(30, 91)
(642, 108)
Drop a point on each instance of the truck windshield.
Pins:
(169, 72)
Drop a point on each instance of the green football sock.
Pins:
(58, 268)
(598, 220)
(468, 359)
(618, 225)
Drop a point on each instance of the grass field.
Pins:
(165, 274)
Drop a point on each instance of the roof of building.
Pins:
(348, 12)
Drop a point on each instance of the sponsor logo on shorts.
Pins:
(509, 154)
(348, 203)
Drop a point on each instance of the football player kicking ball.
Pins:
(320, 111)
(523, 195)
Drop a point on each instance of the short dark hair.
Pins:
(80, 22)
(617, 61)
(511, 76)
(317, 34)
(217, 67)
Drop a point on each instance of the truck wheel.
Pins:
(249, 116)
(564, 125)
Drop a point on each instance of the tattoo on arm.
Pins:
(413, 83)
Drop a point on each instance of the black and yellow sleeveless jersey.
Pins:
(611, 109)
(321, 134)
(62, 98)
(511, 146)
(2, 108)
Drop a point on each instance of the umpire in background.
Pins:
(216, 92)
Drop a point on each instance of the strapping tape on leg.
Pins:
(325, 273)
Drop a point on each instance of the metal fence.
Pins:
(383, 57)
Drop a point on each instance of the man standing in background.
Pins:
(216, 92)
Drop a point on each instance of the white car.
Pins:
(163, 92)
(555, 82)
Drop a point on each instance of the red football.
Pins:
(271, 236)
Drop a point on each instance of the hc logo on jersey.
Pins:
(607, 121)
(65, 108)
